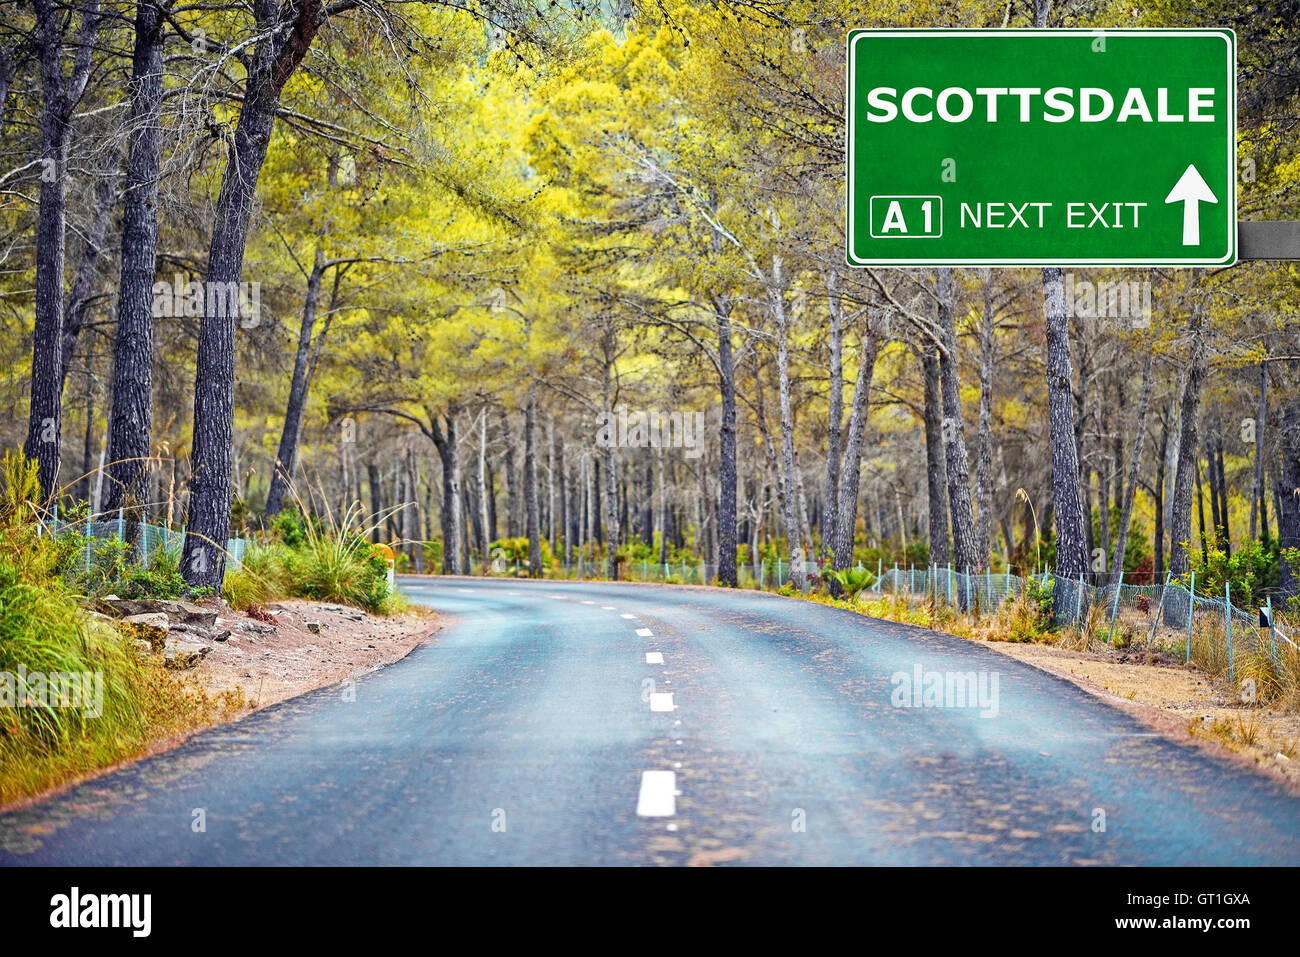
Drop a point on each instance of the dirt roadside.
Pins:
(1179, 701)
(310, 645)
(271, 663)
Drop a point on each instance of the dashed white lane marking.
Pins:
(654, 657)
(627, 616)
(644, 633)
(661, 701)
(608, 608)
(658, 797)
(586, 602)
(465, 591)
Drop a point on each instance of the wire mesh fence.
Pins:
(147, 540)
(1170, 618)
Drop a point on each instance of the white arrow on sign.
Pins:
(1191, 190)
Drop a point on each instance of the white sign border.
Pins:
(1226, 34)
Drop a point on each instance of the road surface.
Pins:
(539, 727)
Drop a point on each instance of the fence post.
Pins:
(121, 523)
(1272, 632)
(1114, 611)
(1227, 615)
(949, 570)
(895, 580)
(87, 549)
(1078, 602)
(1159, 611)
(1191, 613)
(880, 570)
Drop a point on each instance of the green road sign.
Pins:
(1041, 147)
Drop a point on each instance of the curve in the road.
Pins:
(571, 723)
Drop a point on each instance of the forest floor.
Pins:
(1178, 700)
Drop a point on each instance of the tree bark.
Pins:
(60, 94)
(1130, 491)
(1185, 477)
(286, 458)
(530, 488)
(287, 31)
(130, 420)
(835, 430)
(1288, 519)
(1257, 491)
(940, 553)
(850, 475)
(966, 555)
(726, 447)
(1071, 560)
(415, 547)
(793, 527)
(984, 440)
(444, 440)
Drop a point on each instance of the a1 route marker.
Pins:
(1041, 147)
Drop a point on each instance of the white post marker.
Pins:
(658, 797)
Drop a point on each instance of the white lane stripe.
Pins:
(587, 603)
(627, 616)
(645, 633)
(658, 797)
(661, 701)
(654, 657)
(608, 608)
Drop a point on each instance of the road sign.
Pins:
(1041, 147)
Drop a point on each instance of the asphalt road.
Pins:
(524, 732)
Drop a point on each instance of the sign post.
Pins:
(1041, 147)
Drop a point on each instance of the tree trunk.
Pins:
(530, 489)
(966, 555)
(130, 421)
(277, 54)
(1288, 519)
(984, 440)
(940, 553)
(1071, 560)
(286, 459)
(1185, 477)
(726, 447)
(1257, 490)
(415, 547)
(450, 513)
(485, 522)
(1130, 491)
(60, 95)
(793, 527)
(850, 475)
(376, 500)
(92, 252)
(1159, 494)
(835, 431)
